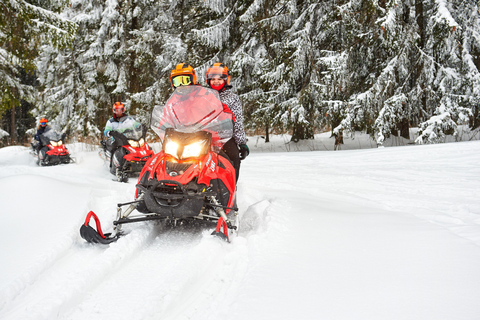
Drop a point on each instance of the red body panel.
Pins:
(205, 168)
(138, 154)
(57, 151)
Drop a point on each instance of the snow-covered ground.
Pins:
(374, 233)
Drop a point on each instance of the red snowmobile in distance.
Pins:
(126, 150)
(52, 149)
(190, 180)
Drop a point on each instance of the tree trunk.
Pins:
(421, 31)
(404, 128)
(419, 16)
(267, 135)
(13, 130)
(475, 119)
(476, 57)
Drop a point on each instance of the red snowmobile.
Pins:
(52, 150)
(191, 179)
(126, 150)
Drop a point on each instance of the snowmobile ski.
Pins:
(95, 236)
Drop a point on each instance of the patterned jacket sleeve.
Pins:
(233, 102)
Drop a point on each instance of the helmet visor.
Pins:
(211, 76)
(181, 81)
(43, 123)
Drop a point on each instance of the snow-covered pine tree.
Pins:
(302, 69)
(228, 32)
(109, 50)
(147, 46)
(371, 65)
(68, 77)
(406, 68)
(315, 42)
(270, 98)
(298, 80)
(251, 59)
(116, 57)
(159, 44)
(24, 25)
(470, 47)
(449, 75)
(365, 75)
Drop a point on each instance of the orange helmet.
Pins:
(118, 106)
(218, 69)
(43, 122)
(183, 74)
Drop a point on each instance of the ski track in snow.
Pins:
(155, 272)
(190, 268)
(176, 262)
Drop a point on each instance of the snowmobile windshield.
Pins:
(130, 128)
(50, 135)
(192, 109)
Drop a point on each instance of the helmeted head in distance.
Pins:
(183, 75)
(43, 122)
(118, 109)
(215, 74)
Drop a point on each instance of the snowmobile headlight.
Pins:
(133, 143)
(194, 149)
(141, 142)
(59, 143)
(53, 143)
(171, 148)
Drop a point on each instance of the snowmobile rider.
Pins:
(183, 75)
(113, 124)
(218, 78)
(118, 116)
(41, 129)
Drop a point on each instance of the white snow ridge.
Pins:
(387, 233)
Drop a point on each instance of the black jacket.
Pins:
(41, 130)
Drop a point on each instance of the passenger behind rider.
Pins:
(41, 129)
(218, 78)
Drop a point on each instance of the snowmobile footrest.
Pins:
(95, 236)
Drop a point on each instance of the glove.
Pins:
(244, 151)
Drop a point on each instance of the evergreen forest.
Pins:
(299, 66)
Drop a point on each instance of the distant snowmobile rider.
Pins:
(118, 116)
(114, 124)
(41, 129)
(218, 78)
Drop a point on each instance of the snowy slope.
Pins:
(389, 233)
